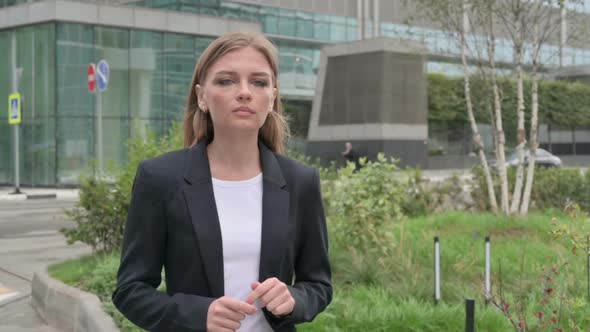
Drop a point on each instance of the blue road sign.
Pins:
(102, 75)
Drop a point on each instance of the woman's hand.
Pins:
(226, 313)
(274, 295)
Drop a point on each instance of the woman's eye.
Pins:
(224, 82)
(261, 83)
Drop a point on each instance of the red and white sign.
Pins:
(91, 77)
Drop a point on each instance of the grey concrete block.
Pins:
(61, 307)
(66, 308)
(39, 289)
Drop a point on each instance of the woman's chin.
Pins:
(243, 127)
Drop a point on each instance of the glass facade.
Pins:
(34, 63)
(149, 77)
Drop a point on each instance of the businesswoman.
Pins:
(238, 227)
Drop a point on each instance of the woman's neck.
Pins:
(234, 158)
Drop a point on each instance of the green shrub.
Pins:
(98, 216)
(103, 279)
(101, 212)
(363, 204)
(560, 187)
(553, 188)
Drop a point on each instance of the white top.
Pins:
(239, 207)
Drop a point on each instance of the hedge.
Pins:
(561, 103)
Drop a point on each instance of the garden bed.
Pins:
(395, 292)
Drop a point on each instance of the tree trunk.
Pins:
(521, 135)
(524, 208)
(477, 141)
(498, 115)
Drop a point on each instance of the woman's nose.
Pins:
(244, 94)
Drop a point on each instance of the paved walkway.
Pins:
(29, 241)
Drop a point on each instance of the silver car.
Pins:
(544, 159)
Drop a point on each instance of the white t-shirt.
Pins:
(239, 206)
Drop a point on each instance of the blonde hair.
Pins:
(198, 125)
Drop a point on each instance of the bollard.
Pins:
(469, 315)
(488, 271)
(436, 270)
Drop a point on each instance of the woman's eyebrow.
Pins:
(260, 73)
(226, 72)
(235, 73)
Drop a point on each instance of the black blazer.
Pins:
(173, 222)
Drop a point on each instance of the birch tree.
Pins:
(545, 20)
(529, 25)
(487, 10)
(513, 17)
(453, 16)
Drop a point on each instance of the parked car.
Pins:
(544, 158)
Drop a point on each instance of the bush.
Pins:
(103, 279)
(101, 212)
(553, 188)
(362, 204)
(560, 187)
(99, 215)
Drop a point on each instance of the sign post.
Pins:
(15, 114)
(98, 77)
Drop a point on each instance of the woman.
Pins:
(238, 227)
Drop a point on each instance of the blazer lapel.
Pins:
(200, 201)
(275, 215)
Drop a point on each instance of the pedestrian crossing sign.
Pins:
(14, 109)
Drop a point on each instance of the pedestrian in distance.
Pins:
(238, 227)
(350, 155)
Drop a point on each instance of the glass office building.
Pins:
(152, 46)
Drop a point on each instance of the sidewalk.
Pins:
(30, 241)
(38, 193)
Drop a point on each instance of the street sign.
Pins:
(102, 75)
(14, 109)
(91, 77)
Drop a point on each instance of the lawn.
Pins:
(395, 292)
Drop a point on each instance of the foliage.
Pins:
(371, 308)
(397, 295)
(364, 203)
(446, 102)
(99, 222)
(553, 188)
(561, 187)
(327, 173)
(554, 303)
(72, 271)
(101, 212)
(424, 196)
(550, 306)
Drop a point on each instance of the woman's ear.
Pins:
(199, 91)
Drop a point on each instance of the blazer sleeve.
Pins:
(142, 258)
(312, 289)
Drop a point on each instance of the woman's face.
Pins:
(238, 91)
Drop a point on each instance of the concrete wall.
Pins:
(372, 93)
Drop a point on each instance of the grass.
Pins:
(394, 292)
(73, 272)
(369, 308)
